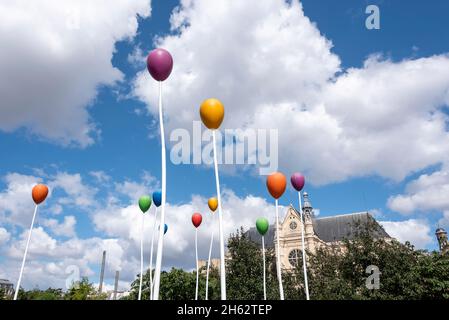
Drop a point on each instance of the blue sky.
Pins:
(123, 143)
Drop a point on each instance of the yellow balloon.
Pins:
(213, 204)
(212, 113)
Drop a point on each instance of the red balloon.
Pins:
(196, 219)
(276, 184)
(39, 193)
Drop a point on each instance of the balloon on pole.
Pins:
(39, 193)
(165, 228)
(276, 184)
(298, 181)
(157, 198)
(262, 227)
(144, 205)
(212, 114)
(160, 66)
(213, 204)
(196, 221)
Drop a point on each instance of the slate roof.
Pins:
(328, 229)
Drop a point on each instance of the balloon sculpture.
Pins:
(196, 220)
(212, 114)
(262, 228)
(276, 184)
(144, 205)
(160, 65)
(298, 181)
(39, 194)
(213, 204)
(157, 199)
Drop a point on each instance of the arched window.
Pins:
(294, 256)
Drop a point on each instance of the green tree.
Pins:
(83, 290)
(178, 284)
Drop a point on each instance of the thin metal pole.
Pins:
(264, 275)
(151, 255)
(157, 273)
(208, 263)
(304, 262)
(196, 258)
(220, 223)
(278, 254)
(25, 254)
(141, 257)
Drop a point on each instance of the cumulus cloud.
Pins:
(415, 231)
(16, 205)
(380, 119)
(4, 236)
(78, 193)
(51, 262)
(66, 228)
(54, 58)
(426, 193)
(178, 243)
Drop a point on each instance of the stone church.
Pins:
(319, 232)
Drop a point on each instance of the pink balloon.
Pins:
(160, 64)
(298, 181)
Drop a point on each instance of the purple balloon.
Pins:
(159, 64)
(297, 181)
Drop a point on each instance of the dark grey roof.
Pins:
(5, 282)
(337, 228)
(254, 236)
(328, 229)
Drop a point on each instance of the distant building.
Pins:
(442, 240)
(319, 232)
(7, 287)
(214, 263)
(120, 294)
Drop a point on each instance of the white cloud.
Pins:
(100, 176)
(428, 192)
(134, 190)
(380, 119)
(445, 220)
(78, 193)
(4, 236)
(417, 232)
(65, 228)
(49, 259)
(178, 243)
(16, 204)
(54, 58)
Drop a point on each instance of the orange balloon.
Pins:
(212, 113)
(213, 204)
(39, 193)
(276, 184)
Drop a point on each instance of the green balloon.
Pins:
(145, 203)
(262, 226)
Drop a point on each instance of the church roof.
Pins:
(328, 229)
(336, 228)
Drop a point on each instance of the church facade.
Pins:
(318, 232)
